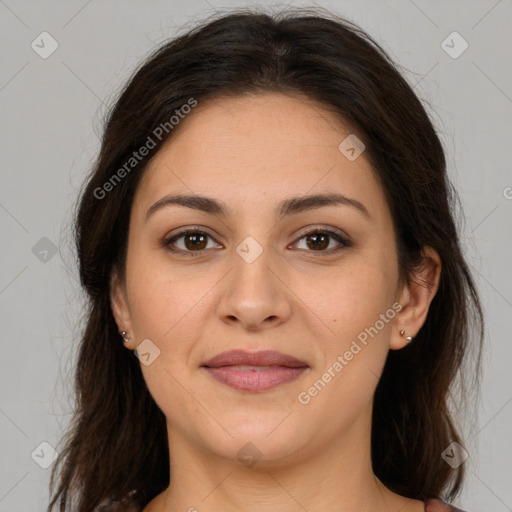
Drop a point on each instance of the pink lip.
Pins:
(285, 368)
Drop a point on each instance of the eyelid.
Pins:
(316, 228)
(332, 232)
(183, 232)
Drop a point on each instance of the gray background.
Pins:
(52, 117)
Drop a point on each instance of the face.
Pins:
(318, 283)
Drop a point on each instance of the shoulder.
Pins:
(127, 504)
(437, 505)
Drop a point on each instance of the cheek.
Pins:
(159, 297)
(350, 297)
(162, 307)
(355, 306)
(169, 310)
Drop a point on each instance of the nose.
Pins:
(255, 293)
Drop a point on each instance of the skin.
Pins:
(251, 152)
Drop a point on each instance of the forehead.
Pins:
(261, 146)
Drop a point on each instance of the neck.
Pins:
(338, 477)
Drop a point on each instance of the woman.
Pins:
(279, 303)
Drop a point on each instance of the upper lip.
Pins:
(262, 358)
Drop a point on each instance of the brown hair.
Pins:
(117, 440)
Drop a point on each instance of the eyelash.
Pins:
(333, 234)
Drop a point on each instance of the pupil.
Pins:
(196, 242)
(320, 240)
(322, 244)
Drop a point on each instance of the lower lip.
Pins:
(255, 380)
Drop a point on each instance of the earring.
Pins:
(408, 338)
(125, 338)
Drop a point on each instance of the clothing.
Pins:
(437, 505)
(128, 505)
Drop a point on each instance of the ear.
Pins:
(120, 308)
(415, 298)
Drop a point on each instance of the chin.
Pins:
(258, 439)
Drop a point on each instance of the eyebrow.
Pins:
(286, 207)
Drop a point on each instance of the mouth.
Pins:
(254, 371)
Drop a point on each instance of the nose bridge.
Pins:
(251, 274)
(253, 292)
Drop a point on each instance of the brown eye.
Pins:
(194, 241)
(319, 240)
